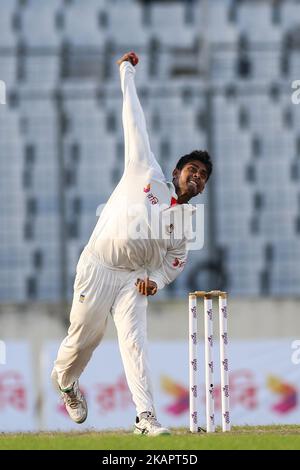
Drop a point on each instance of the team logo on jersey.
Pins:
(153, 199)
(81, 298)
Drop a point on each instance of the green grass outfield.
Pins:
(247, 437)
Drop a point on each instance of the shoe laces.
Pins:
(151, 418)
(73, 397)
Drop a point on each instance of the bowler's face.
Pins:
(192, 178)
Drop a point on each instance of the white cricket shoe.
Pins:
(147, 424)
(74, 400)
(75, 403)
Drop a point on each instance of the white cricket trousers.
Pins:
(98, 291)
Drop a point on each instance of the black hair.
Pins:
(200, 155)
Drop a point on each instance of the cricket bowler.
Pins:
(127, 259)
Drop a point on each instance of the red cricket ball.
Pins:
(134, 58)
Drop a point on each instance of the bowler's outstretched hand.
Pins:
(129, 57)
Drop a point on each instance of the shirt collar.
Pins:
(171, 189)
(173, 195)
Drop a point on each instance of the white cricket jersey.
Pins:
(138, 226)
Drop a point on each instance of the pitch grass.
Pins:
(247, 437)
